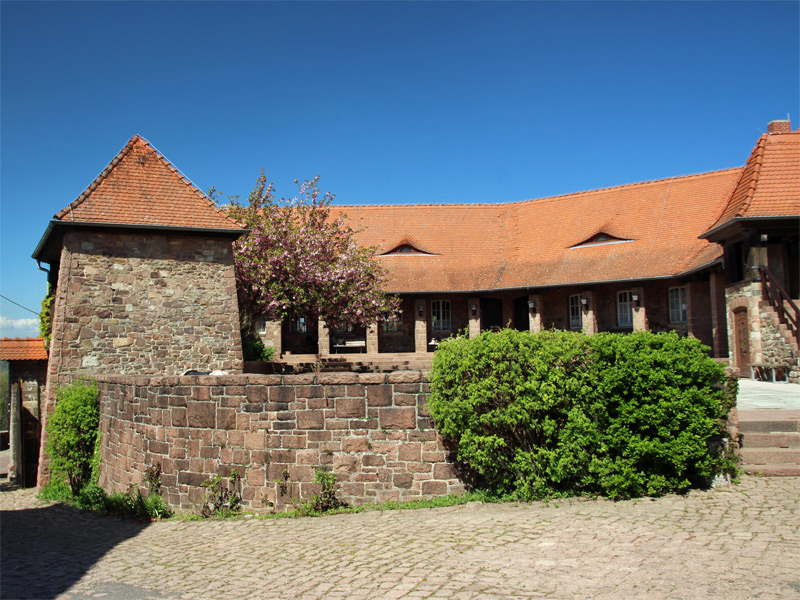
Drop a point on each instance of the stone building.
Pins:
(759, 231)
(673, 254)
(141, 266)
(27, 374)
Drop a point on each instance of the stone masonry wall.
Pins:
(141, 303)
(372, 430)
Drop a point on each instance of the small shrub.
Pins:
(72, 433)
(560, 413)
(223, 497)
(326, 500)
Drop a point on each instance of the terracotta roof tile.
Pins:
(770, 182)
(530, 244)
(141, 187)
(22, 349)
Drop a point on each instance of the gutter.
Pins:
(54, 223)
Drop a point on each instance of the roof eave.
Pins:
(570, 284)
(734, 225)
(57, 223)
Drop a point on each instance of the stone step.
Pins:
(769, 440)
(763, 456)
(769, 426)
(773, 470)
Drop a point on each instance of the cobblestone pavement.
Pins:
(736, 542)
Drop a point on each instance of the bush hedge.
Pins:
(560, 413)
(72, 432)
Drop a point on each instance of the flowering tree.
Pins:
(297, 259)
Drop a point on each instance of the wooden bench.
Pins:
(348, 344)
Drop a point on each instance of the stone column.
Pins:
(323, 338)
(474, 319)
(420, 326)
(15, 467)
(639, 312)
(719, 325)
(535, 313)
(372, 338)
(590, 310)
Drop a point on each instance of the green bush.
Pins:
(72, 432)
(561, 413)
(253, 349)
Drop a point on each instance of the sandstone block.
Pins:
(349, 408)
(398, 418)
(201, 414)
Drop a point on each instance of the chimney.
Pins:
(780, 126)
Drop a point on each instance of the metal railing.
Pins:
(780, 300)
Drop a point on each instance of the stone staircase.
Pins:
(769, 441)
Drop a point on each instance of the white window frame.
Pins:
(677, 305)
(575, 309)
(342, 327)
(624, 309)
(440, 315)
(262, 325)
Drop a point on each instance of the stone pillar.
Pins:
(535, 313)
(324, 338)
(590, 310)
(640, 322)
(719, 325)
(272, 336)
(420, 326)
(372, 338)
(15, 467)
(474, 318)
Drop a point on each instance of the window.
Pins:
(342, 327)
(624, 309)
(393, 324)
(677, 305)
(299, 325)
(262, 325)
(575, 312)
(440, 315)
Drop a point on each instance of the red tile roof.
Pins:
(530, 244)
(22, 349)
(141, 187)
(770, 182)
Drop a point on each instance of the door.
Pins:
(521, 316)
(741, 327)
(491, 314)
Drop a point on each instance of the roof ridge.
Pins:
(23, 339)
(204, 197)
(97, 180)
(554, 197)
(163, 159)
(758, 156)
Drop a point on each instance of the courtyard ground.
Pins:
(736, 542)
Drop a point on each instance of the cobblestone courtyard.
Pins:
(734, 542)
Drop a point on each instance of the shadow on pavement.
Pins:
(44, 551)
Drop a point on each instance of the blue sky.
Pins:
(388, 102)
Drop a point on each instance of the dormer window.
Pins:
(406, 249)
(600, 239)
